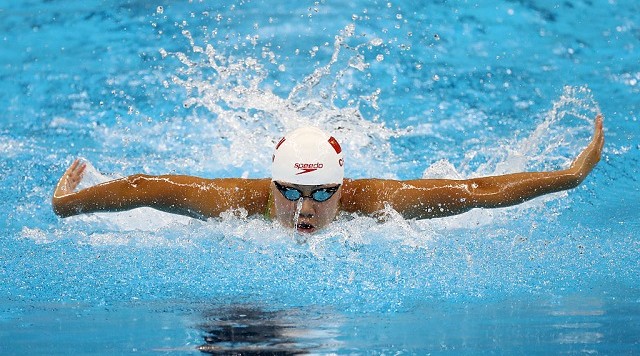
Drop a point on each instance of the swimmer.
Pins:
(307, 188)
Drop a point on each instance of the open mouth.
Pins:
(305, 227)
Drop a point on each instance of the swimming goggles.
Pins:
(320, 195)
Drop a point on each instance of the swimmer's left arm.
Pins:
(430, 198)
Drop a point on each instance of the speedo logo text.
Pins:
(307, 167)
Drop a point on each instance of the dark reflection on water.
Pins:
(566, 324)
(251, 330)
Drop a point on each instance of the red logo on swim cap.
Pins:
(280, 143)
(307, 167)
(336, 146)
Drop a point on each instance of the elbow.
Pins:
(479, 194)
(571, 179)
(141, 190)
(484, 195)
(577, 179)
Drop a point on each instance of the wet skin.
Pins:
(413, 199)
(313, 215)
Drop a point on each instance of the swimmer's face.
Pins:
(314, 215)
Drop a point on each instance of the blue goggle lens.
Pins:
(319, 195)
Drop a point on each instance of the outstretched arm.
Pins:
(185, 195)
(429, 198)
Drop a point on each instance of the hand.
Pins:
(70, 179)
(590, 156)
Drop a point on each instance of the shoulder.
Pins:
(182, 182)
(363, 184)
(243, 183)
(242, 189)
(214, 196)
(366, 196)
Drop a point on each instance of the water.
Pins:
(438, 89)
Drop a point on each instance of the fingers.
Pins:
(76, 168)
(599, 117)
(591, 154)
(593, 151)
(73, 167)
(77, 171)
(72, 177)
(598, 124)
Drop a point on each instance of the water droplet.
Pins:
(436, 37)
(376, 42)
(379, 58)
(350, 30)
(159, 10)
(358, 63)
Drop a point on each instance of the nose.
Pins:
(307, 209)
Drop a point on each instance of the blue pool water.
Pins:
(435, 89)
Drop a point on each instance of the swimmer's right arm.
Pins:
(185, 195)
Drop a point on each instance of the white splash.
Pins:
(297, 236)
(239, 118)
(244, 118)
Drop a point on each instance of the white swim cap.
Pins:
(308, 156)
